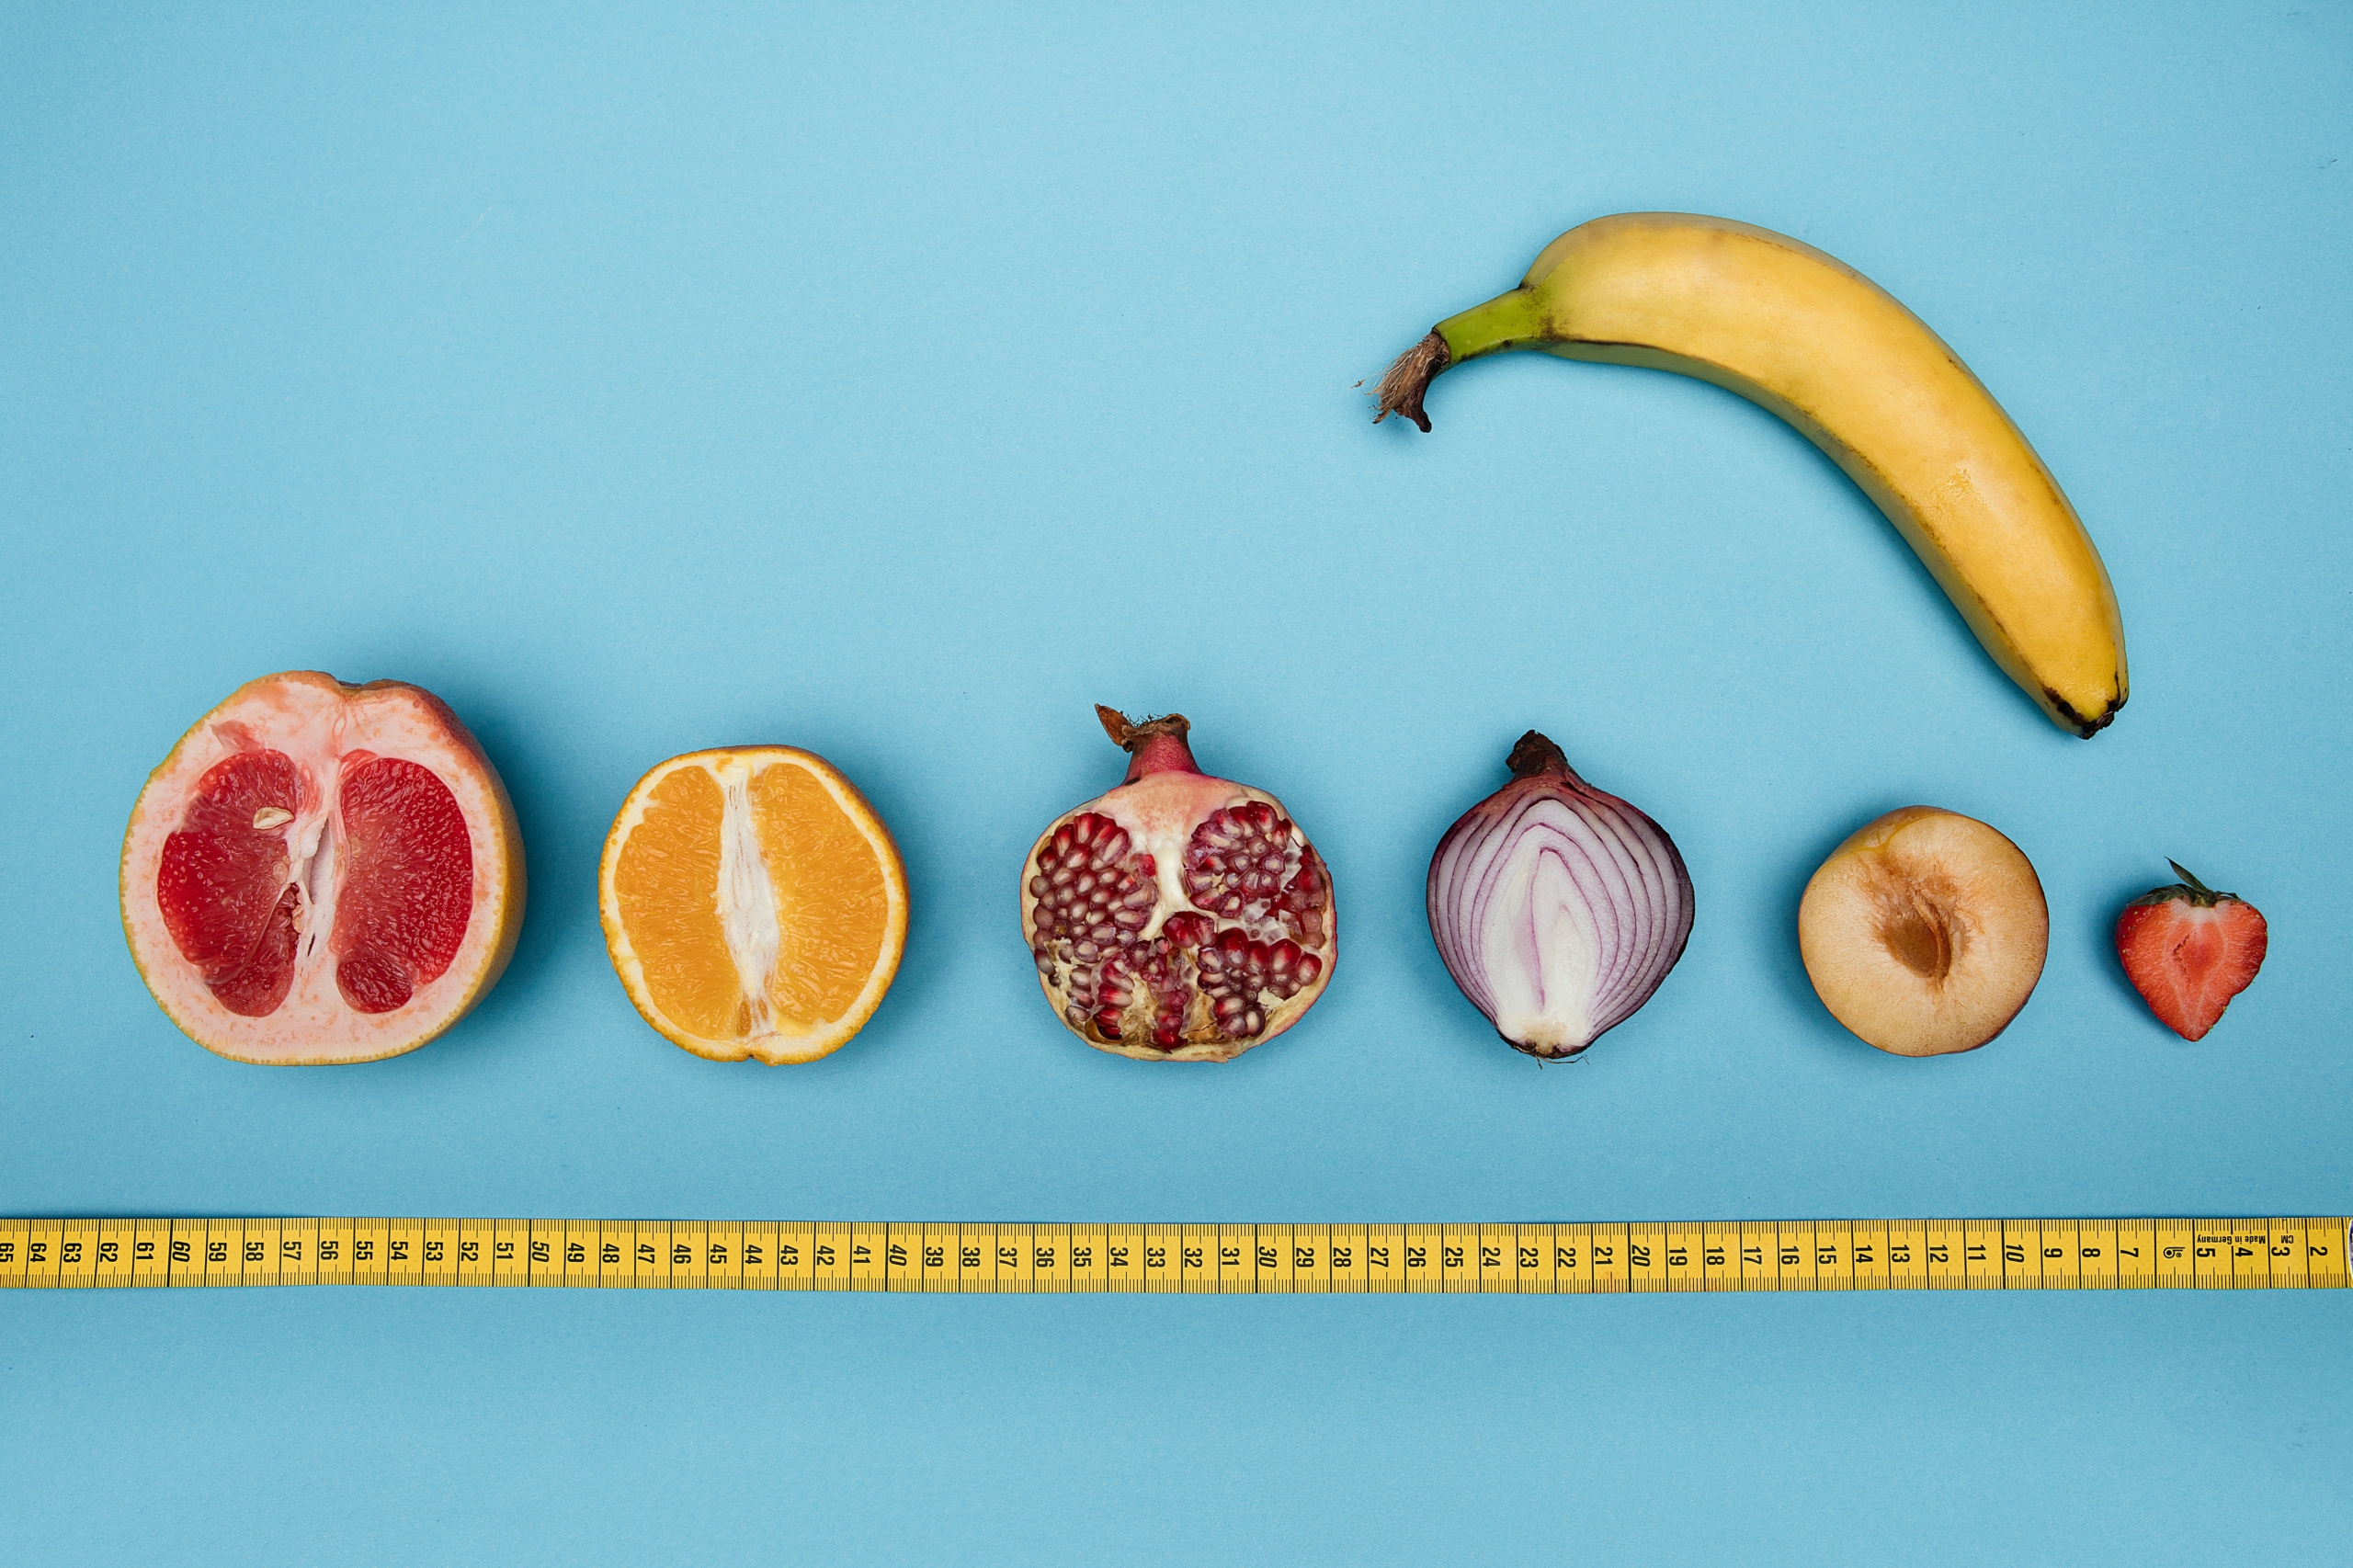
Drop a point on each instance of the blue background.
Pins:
(897, 385)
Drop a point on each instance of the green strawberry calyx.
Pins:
(2189, 890)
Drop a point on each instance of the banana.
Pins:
(1814, 341)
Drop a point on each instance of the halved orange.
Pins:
(754, 903)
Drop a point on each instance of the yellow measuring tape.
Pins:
(1537, 1259)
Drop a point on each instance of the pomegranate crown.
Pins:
(1157, 745)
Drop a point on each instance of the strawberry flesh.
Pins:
(2188, 950)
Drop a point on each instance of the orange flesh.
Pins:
(832, 905)
(668, 881)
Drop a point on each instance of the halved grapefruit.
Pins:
(754, 903)
(321, 873)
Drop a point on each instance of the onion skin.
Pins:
(1559, 909)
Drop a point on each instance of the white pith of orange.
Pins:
(812, 878)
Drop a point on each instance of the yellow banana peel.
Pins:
(1807, 336)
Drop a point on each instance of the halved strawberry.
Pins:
(2188, 950)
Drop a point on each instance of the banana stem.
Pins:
(1515, 320)
(1400, 390)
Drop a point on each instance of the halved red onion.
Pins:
(1558, 909)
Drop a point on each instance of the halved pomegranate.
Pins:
(321, 873)
(1180, 917)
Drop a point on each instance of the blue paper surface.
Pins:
(899, 384)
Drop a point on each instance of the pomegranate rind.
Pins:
(315, 718)
(780, 1046)
(1159, 812)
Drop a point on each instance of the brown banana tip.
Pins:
(1400, 390)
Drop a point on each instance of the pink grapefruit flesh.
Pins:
(321, 873)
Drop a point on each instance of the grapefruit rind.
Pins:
(780, 1046)
(303, 712)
